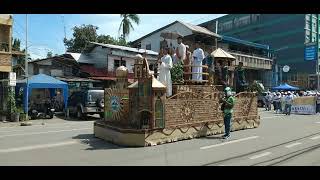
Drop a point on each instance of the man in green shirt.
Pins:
(227, 107)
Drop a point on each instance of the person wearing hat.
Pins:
(198, 56)
(164, 71)
(227, 108)
(180, 50)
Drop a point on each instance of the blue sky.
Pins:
(46, 31)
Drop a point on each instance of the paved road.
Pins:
(280, 140)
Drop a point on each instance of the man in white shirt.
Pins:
(180, 50)
(288, 100)
(198, 56)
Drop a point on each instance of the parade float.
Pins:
(140, 114)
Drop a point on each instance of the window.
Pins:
(148, 46)
(118, 63)
(307, 24)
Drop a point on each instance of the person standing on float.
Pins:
(164, 71)
(198, 56)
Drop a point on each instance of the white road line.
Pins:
(318, 122)
(293, 144)
(45, 127)
(229, 142)
(314, 138)
(42, 146)
(46, 132)
(260, 155)
(270, 117)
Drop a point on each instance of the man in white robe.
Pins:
(198, 56)
(181, 50)
(164, 71)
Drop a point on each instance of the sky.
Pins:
(46, 31)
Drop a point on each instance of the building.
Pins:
(287, 34)
(256, 57)
(153, 41)
(6, 22)
(100, 61)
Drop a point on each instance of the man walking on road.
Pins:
(288, 100)
(227, 108)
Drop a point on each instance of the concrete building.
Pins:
(6, 22)
(287, 34)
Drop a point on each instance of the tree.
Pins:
(16, 44)
(126, 23)
(49, 54)
(81, 36)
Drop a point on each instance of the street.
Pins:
(280, 140)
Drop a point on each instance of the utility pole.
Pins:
(65, 34)
(26, 69)
(216, 39)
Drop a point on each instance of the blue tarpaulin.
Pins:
(41, 81)
(285, 87)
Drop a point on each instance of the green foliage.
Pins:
(255, 87)
(88, 33)
(16, 44)
(177, 73)
(126, 23)
(49, 54)
(11, 101)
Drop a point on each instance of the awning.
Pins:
(220, 53)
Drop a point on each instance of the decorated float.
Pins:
(140, 114)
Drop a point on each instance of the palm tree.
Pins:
(126, 24)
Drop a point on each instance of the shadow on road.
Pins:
(71, 118)
(95, 143)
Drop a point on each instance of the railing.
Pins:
(204, 73)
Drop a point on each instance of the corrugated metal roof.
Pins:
(124, 48)
(199, 29)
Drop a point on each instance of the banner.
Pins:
(304, 105)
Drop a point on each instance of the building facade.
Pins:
(6, 22)
(287, 35)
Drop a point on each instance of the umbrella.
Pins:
(170, 35)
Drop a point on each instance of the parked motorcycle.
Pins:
(36, 113)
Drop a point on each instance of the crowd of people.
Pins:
(192, 66)
(282, 101)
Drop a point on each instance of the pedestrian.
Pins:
(277, 102)
(274, 95)
(288, 100)
(198, 56)
(318, 102)
(181, 50)
(268, 101)
(227, 108)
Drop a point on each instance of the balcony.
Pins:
(252, 61)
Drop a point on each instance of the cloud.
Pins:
(39, 51)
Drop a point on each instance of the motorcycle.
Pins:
(36, 113)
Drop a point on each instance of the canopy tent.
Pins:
(285, 87)
(41, 81)
(220, 53)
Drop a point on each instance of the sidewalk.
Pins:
(54, 120)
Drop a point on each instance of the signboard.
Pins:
(304, 105)
(286, 68)
(310, 53)
(12, 79)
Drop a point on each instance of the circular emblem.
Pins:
(286, 68)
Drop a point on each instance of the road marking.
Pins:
(269, 117)
(318, 122)
(260, 155)
(42, 146)
(46, 132)
(293, 144)
(229, 142)
(314, 138)
(45, 127)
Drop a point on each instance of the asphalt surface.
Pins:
(279, 141)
